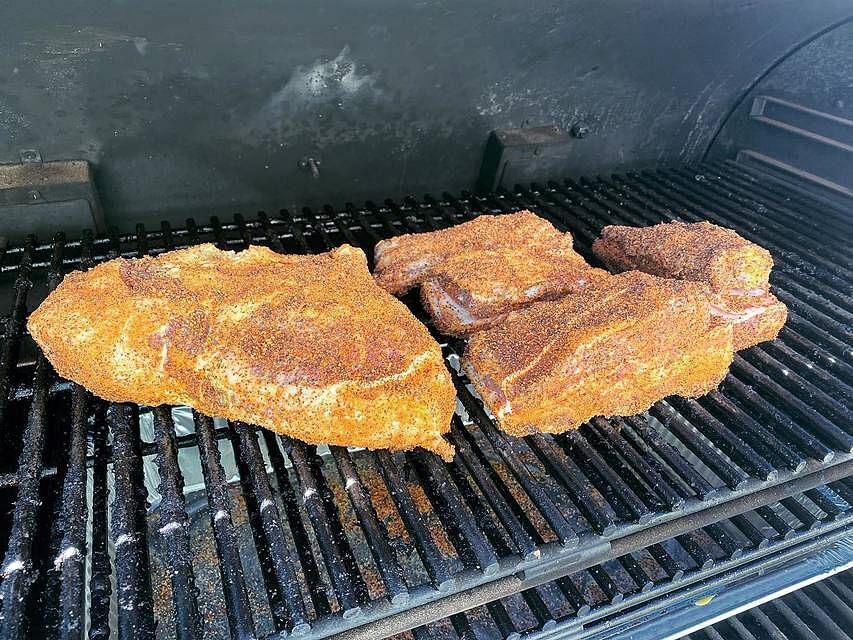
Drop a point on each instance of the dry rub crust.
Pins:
(472, 274)
(308, 346)
(614, 350)
(475, 290)
(736, 270)
(410, 259)
(700, 251)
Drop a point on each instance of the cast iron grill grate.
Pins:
(313, 544)
(611, 597)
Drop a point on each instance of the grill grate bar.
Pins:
(763, 440)
(703, 559)
(796, 384)
(377, 535)
(641, 579)
(783, 529)
(333, 545)
(614, 438)
(505, 625)
(433, 559)
(791, 620)
(827, 429)
(730, 444)
(482, 516)
(787, 356)
(231, 569)
(130, 539)
(666, 562)
(100, 587)
(15, 325)
(448, 503)
(828, 501)
(579, 601)
(544, 618)
(308, 562)
(173, 528)
(728, 472)
(751, 182)
(834, 603)
(750, 531)
(761, 408)
(510, 452)
(729, 545)
(801, 513)
(783, 222)
(594, 598)
(602, 578)
(639, 485)
(645, 438)
(606, 479)
(72, 558)
(18, 572)
(503, 504)
(807, 609)
(573, 479)
(260, 498)
(755, 197)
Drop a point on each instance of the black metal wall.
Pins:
(210, 106)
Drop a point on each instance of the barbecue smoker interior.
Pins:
(370, 544)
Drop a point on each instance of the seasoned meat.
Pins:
(472, 274)
(307, 346)
(754, 318)
(477, 289)
(612, 350)
(736, 270)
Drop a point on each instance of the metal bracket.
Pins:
(521, 156)
(38, 197)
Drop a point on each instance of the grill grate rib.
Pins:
(669, 573)
(348, 538)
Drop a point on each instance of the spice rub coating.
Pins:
(474, 273)
(736, 270)
(307, 346)
(613, 350)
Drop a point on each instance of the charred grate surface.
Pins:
(282, 538)
(652, 579)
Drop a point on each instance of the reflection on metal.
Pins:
(753, 157)
(815, 125)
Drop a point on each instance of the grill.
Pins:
(687, 573)
(315, 542)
